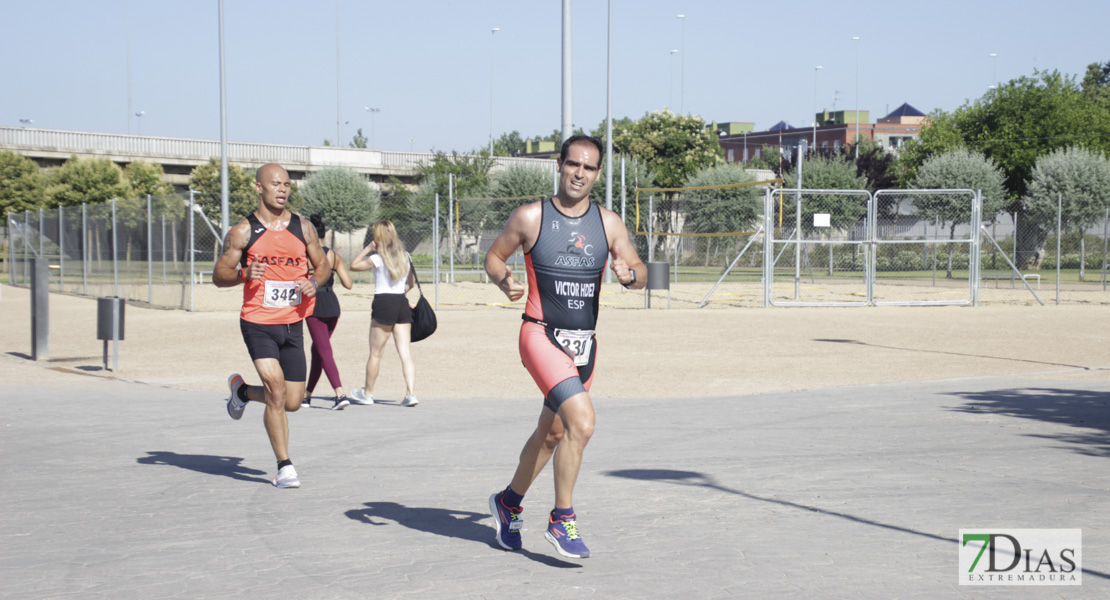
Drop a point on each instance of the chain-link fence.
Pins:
(826, 247)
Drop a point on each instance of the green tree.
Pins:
(1014, 125)
(359, 141)
(509, 144)
(674, 147)
(89, 180)
(22, 185)
(721, 210)
(1096, 84)
(146, 178)
(826, 173)
(523, 183)
(242, 194)
(1079, 180)
(958, 169)
(344, 199)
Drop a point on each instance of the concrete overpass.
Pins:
(179, 156)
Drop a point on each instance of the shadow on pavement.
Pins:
(227, 466)
(460, 524)
(693, 478)
(1085, 409)
(925, 350)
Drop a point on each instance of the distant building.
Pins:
(833, 131)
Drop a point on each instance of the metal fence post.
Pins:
(149, 251)
(1059, 230)
(435, 251)
(84, 249)
(163, 249)
(451, 227)
(61, 250)
(42, 236)
(115, 252)
(192, 297)
(26, 245)
(11, 242)
(1105, 238)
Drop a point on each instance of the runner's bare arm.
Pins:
(320, 265)
(226, 271)
(625, 259)
(519, 232)
(362, 261)
(341, 271)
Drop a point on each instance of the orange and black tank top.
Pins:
(565, 268)
(274, 299)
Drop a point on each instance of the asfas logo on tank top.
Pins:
(578, 253)
(273, 261)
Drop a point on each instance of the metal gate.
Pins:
(924, 247)
(818, 243)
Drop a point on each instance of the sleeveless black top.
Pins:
(565, 268)
(327, 303)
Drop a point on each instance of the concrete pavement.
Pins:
(128, 490)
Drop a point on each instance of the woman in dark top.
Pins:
(322, 324)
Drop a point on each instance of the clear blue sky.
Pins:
(427, 63)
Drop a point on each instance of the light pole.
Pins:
(670, 88)
(856, 38)
(815, 70)
(338, 79)
(994, 77)
(140, 121)
(373, 111)
(412, 143)
(492, 34)
(27, 122)
(682, 108)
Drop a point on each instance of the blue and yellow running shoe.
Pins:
(508, 522)
(563, 534)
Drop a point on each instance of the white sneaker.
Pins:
(359, 396)
(287, 478)
(410, 400)
(235, 406)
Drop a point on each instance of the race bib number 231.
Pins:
(576, 343)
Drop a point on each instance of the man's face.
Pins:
(274, 187)
(579, 172)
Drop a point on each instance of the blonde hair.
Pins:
(391, 249)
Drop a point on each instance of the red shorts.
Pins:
(551, 367)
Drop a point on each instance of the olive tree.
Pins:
(1080, 180)
(959, 168)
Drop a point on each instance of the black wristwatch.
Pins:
(633, 280)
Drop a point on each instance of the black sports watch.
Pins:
(633, 280)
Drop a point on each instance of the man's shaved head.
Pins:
(265, 170)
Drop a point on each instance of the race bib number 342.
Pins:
(576, 343)
(282, 294)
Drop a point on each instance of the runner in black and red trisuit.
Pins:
(566, 241)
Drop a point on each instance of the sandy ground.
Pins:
(657, 353)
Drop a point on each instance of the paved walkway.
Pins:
(125, 490)
(804, 453)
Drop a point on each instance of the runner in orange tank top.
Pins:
(270, 253)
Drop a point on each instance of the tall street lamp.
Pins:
(373, 111)
(994, 78)
(670, 88)
(140, 121)
(815, 70)
(682, 109)
(856, 38)
(492, 34)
